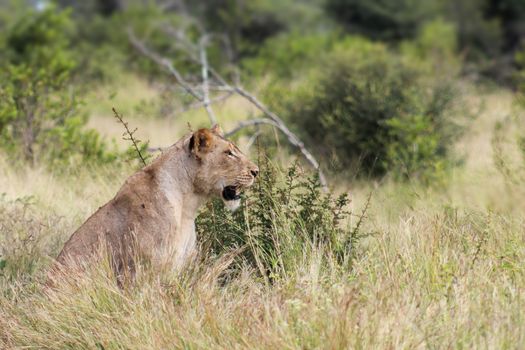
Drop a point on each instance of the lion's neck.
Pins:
(176, 174)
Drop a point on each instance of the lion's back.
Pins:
(104, 226)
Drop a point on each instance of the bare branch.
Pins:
(177, 5)
(250, 122)
(182, 42)
(197, 105)
(292, 138)
(166, 63)
(191, 49)
(129, 135)
(273, 119)
(252, 139)
(205, 87)
(289, 135)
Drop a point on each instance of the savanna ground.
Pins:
(436, 267)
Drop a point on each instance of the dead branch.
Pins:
(191, 49)
(198, 105)
(250, 122)
(277, 122)
(272, 118)
(292, 139)
(130, 135)
(252, 139)
(205, 86)
(164, 62)
(182, 42)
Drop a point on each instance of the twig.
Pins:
(355, 231)
(205, 85)
(279, 123)
(166, 63)
(250, 122)
(182, 42)
(292, 138)
(130, 135)
(276, 122)
(197, 105)
(252, 139)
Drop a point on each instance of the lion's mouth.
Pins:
(231, 193)
(231, 196)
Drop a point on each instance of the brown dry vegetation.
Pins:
(444, 268)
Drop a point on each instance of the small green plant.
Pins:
(286, 216)
(138, 150)
(39, 117)
(286, 56)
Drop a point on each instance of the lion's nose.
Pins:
(254, 172)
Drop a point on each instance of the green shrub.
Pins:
(381, 19)
(486, 30)
(511, 14)
(478, 33)
(434, 49)
(286, 56)
(104, 48)
(38, 106)
(247, 24)
(284, 217)
(370, 112)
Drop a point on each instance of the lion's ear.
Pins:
(216, 129)
(201, 141)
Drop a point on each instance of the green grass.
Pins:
(443, 268)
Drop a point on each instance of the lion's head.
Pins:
(223, 170)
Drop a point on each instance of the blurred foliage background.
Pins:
(414, 110)
(374, 88)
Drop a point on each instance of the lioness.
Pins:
(153, 213)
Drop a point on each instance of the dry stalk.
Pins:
(129, 135)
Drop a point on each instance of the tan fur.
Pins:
(153, 213)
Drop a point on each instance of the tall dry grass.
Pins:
(444, 268)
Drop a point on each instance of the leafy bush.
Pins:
(38, 117)
(247, 24)
(369, 111)
(287, 55)
(383, 19)
(105, 51)
(284, 217)
(486, 30)
(511, 14)
(434, 49)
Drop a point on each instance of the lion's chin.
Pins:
(232, 205)
(231, 197)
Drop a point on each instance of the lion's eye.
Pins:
(230, 153)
